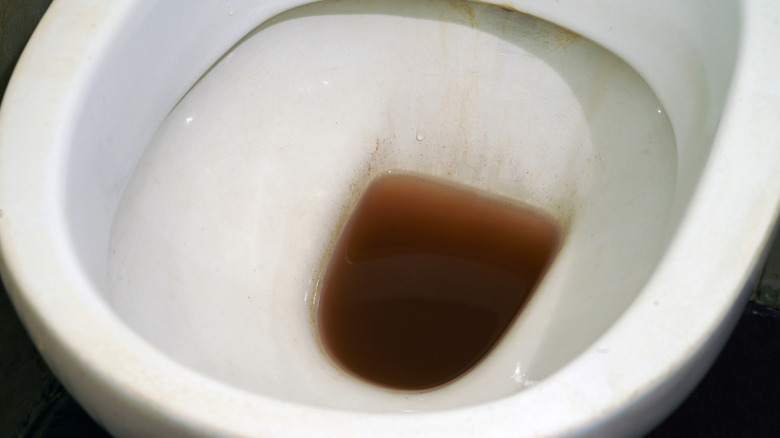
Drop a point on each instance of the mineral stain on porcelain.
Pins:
(264, 177)
(425, 279)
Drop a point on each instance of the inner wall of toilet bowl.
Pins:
(224, 228)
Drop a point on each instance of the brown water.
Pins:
(425, 279)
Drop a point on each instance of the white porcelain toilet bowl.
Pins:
(173, 175)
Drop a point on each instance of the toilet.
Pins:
(174, 177)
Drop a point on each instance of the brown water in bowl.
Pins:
(426, 278)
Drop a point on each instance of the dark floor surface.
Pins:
(740, 395)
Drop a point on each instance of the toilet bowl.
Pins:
(173, 177)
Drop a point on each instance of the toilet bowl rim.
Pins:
(119, 342)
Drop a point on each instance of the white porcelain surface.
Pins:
(162, 235)
(241, 201)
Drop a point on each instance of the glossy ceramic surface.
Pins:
(172, 177)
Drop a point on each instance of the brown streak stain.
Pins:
(564, 37)
(466, 8)
(505, 7)
(356, 187)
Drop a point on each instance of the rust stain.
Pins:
(467, 10)
(565, 38)
(507, 8)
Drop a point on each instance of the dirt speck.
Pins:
(565, 38)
